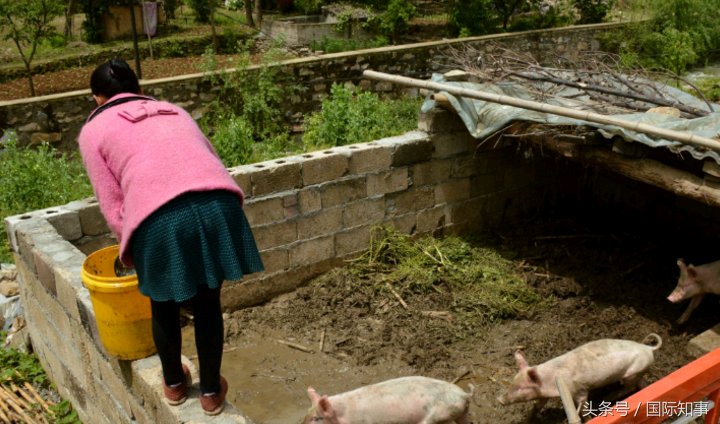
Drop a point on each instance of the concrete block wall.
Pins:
(308, 213)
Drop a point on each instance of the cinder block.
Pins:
(264, 210)
(438, 120)
(291, 205)
(430, 220)
(275, 259)
(44, 270)
(412, 200)
(452, 191)
(432, 172)
(66, 223)
(275, 234)
(387, 181)
(465, 166)
(352, 241)
(241, 175)
(364, 211)
(321, 223)
(705, 342)
(275, 176)
(343, 191)
(68, 281)
(406, 224)
(310, 200)
(414, 151)
(92, 220)
(369, 158)
(320, 167)
(307, 252)
(452, 144)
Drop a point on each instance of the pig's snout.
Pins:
(675, 296)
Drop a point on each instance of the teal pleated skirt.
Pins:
(195, 239)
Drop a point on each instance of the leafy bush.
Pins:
(395, 19)
(234, 143)
(349, 116)
(678, 34)
(472, 17)
(37, 178)
(309, 7)
(710, 87)
(202, 9)
(593, 11)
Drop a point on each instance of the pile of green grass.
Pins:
(483, 285)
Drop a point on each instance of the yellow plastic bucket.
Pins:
(122, 314)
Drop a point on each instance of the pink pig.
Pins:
(405, 400)
(694, 282)
(593, 365)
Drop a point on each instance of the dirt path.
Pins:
(598, 284)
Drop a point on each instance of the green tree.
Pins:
(395, 19)
(472, 17)
(27, 23)
(677, 35)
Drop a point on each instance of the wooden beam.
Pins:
(645, 170)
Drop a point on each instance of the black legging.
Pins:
(209, 333)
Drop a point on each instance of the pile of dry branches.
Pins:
(22, 405)
(598, 76)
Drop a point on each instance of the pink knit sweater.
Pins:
(141, 154)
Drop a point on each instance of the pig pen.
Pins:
(603, 257)
(599, 249)
(605, 273)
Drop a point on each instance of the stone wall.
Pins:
(58, 118)
(308, 212)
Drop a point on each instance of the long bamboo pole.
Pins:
(664, 133)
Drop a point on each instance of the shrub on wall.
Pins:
(350, 116)
(37, 178)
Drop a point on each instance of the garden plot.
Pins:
(456, 309)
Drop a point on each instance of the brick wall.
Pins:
(308, 213)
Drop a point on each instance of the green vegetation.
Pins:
(37, 178)
(352, 116)
(246, 124)
(710, 87)
(27, 24)
(483, 285)
(675, 35)
(18, 368)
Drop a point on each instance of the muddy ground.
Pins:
(598, 280)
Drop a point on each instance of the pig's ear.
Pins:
(313, 395)
(533, 376)
(520, 360)
(681, 264)
(324, 408)
(691, 271)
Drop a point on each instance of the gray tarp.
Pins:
(482, 118)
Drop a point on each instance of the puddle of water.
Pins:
(268, 380)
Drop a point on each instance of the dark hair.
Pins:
(114, 77)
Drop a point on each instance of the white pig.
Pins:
(694, 282)
(593, 365)
(405, 400)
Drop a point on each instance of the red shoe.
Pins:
(213, 403)
(178, 394)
